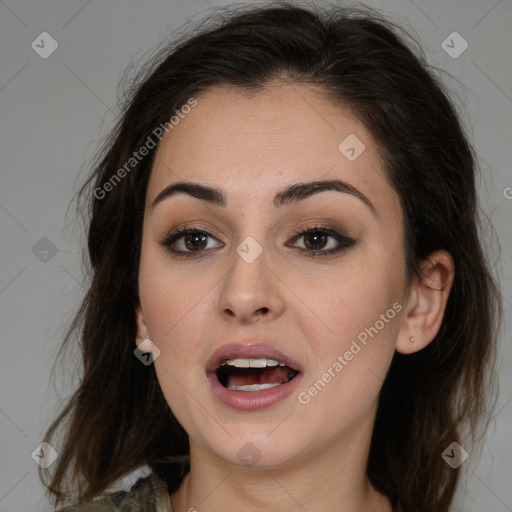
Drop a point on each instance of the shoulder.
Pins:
(140, 498)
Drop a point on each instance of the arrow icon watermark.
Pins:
(249, 250)
(351, 147)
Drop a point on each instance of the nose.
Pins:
(250, 292)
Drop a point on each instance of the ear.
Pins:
(426, 303)
(142, 341)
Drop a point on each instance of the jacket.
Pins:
(148, 494)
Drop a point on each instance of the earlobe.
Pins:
(426, 304)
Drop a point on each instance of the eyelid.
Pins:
(179, 233)
(344, 242)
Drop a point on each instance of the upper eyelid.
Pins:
(183, 230)
(180, 232)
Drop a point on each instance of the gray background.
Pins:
(54, 112)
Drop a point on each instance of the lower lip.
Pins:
(252, 400)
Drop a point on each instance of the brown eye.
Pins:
(317, 243)
(182, 242)
(195, 241)
(315, 240)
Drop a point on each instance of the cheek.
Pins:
(170, 301)
(353, 350)
(352, 301)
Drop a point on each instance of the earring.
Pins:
(411, 339)
(145, 344)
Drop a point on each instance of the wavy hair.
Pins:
(118, 419)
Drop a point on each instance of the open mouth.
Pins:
(254, 374)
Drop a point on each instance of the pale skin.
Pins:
(313, 456)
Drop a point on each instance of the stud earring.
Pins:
(411, 339)
(145, 344)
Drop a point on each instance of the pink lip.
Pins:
(250, 400)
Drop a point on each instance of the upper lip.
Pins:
(248, 350)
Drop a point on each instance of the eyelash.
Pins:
(344, 241)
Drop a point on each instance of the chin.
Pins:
(254, 449)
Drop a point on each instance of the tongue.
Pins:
(245, 377)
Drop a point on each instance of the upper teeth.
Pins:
(252, 363)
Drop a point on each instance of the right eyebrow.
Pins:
(205, 193)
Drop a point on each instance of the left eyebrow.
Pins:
(289, 195)
(300, 191)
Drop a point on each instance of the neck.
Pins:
(334, 477)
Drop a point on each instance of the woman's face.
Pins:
(246, 288)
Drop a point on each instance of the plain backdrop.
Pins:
(54, 112)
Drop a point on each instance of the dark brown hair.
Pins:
(118, 418)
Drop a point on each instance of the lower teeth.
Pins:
(254, 387)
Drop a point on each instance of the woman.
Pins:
(289, 304)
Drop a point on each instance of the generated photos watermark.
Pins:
(143, 151)
(304, 397)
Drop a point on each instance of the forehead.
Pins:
(253, 144)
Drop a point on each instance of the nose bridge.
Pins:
(250, 288)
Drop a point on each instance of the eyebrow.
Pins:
(289, 195)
